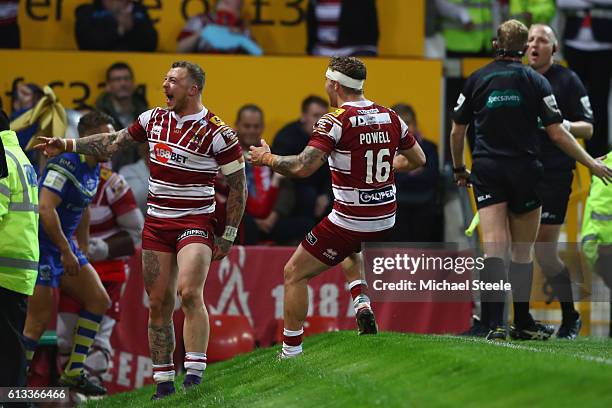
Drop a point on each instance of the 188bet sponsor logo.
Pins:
(163, 153)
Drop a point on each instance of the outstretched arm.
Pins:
(300, 166)
(100, 145)
(564, 140)
(580, 129)
(104, 144)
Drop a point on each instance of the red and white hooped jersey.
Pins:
(113, 199)
(362, 139)
(184, 157)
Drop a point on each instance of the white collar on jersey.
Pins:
(359, 104)
(195, 116)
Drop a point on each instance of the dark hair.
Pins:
(309, 100)
(93, 120)
(117, 66)
(36, 90)
(351, 67)
(512, 36)
(249, 107)
(5, 123)
(195, 72)
(405, 109)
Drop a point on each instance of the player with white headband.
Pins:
(364, 143)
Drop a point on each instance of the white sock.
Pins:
(195, 363)
(289, 350)
(163, 372)
(361, 301)
(357, 282)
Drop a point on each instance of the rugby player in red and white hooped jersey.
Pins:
(188, 145)
(364, 142)
(115, 230)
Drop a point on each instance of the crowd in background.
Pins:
(333, 27)
(279, 210)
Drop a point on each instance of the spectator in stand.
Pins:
(419, 215)
(262, 184)
(222, 31)
(9, 29)
(25, 96)
(137, 176)
(114, 25)
(342, 28)
(312, 195)
(123, 103)
(588, 50)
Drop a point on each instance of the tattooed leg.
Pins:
(161, 343)
(160, 279)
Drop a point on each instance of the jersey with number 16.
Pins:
(362, 139)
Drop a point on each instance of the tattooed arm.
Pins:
(300, 166)
(104, 144)
(236, 202)
(100, 145)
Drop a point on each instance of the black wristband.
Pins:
(459, 170)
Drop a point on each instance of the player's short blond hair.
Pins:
(512, 35)
(195, 72)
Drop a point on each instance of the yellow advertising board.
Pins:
(277, 25)
(276, 84)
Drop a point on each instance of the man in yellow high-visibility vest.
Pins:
(597, 230)
(18, 253)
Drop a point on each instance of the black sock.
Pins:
(562, 288)
(521, 278)
(494, 271)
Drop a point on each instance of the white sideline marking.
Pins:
(585, 357)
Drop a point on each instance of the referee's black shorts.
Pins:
(514, 181)
(555, 189)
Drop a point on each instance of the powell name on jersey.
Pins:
(362, 139)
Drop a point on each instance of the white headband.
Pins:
(344, 80)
